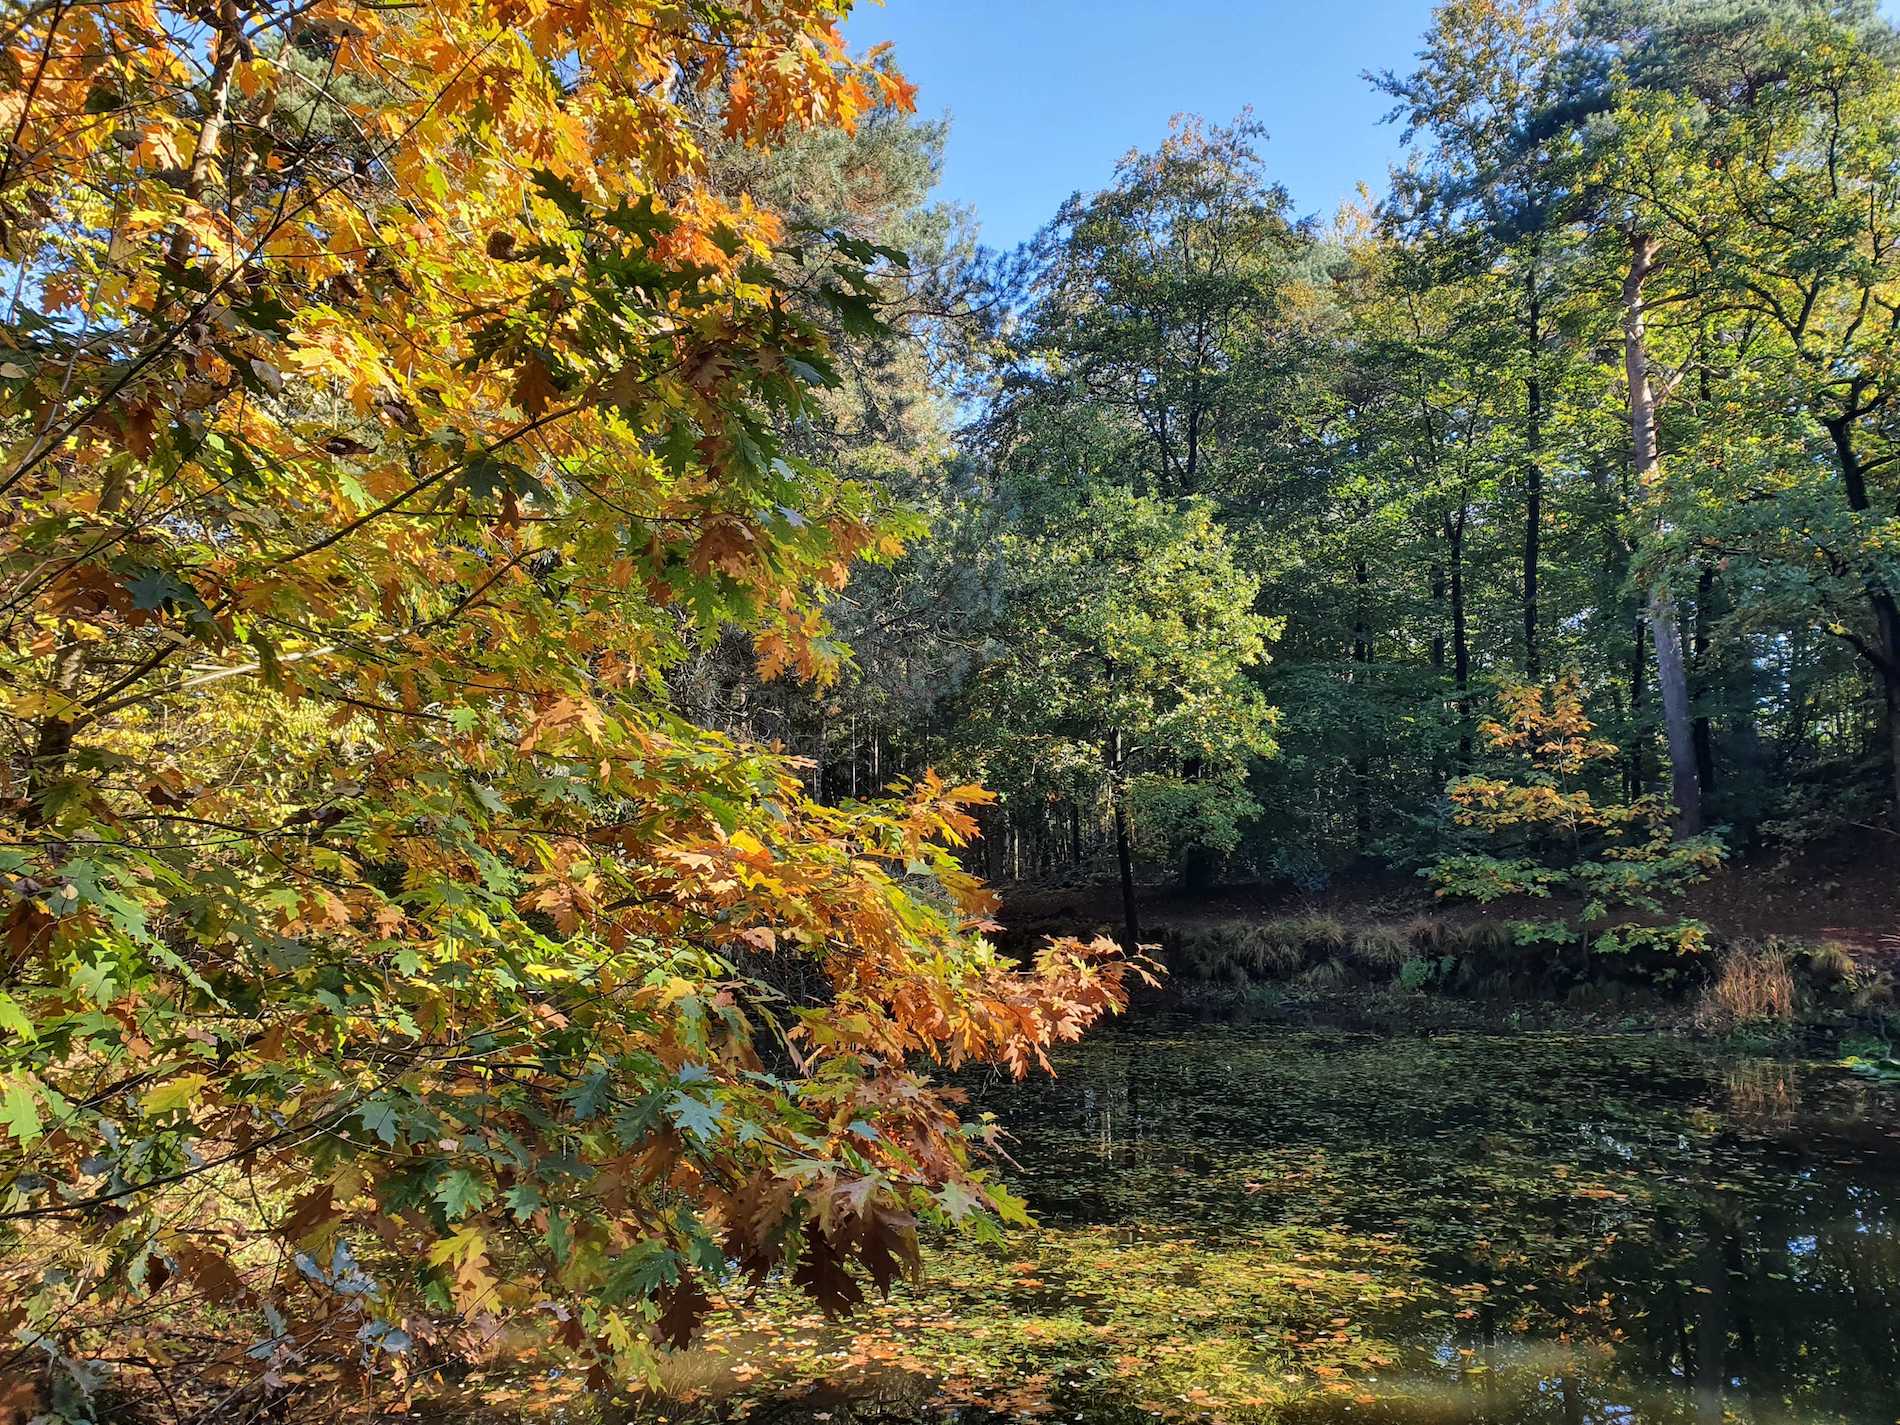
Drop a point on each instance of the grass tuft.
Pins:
(1754, 985)
(1329, 976)
(1382, 948)
(1831, 965)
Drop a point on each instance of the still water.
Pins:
(1266, 1224)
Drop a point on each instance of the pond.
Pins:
(1307, 1225)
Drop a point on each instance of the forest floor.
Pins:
(1846, 890)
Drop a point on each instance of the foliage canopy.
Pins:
(393, 398)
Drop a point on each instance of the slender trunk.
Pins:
(1704, 730)
(1437, 578)
(1075, 834)
(53, 741)
(1639, 735)
(1893, 741)
(1124, 851)
(1533, 477)
(1193, 441)
(818, 762)
(1672, 678)
(204, 152)
(1362, 760)
(1460, 640)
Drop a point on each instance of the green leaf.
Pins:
(958, 1201)
(641, 1270)
(379, 1116)
(20, 1109)
(562, 194)
(460, 1193)
(524, 1200)
(156, 589)
(13, 1019)
(692, 1115)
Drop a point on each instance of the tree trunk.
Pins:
(818, 762)
(1362, 761)
(226, 51)
(1699, 650)
(1437, 582)
(1639, 660)
(53, 739)
(1533, 478)
(1124, 851)
(1893, 741)
(1460, 640)
(1672, 677)
(1672, 680)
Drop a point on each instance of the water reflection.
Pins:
(1629, 1230)
(1319, 1227)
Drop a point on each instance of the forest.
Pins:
(642, 781)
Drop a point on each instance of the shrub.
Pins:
(1482, 939)
(1831, 965)
(1537, 830)
(1204, 952)
(1324, 934)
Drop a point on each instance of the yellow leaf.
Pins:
(173, 1093)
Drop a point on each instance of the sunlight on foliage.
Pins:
(1548, 832)
(393, 399)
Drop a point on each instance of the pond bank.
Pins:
(1798, 941)
(1428, 971)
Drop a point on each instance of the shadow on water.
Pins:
(1314, 1226)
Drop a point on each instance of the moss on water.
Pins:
(1252, 1225)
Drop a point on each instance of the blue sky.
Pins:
(1045, 95)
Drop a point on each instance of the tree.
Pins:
(1158, 301)
(393, 395)
(1775, 191)
(1125, 645)
(1485, 66)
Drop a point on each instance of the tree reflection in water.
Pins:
(1266, 1224)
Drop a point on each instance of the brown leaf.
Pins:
(822, 1274)
(308, 1212)
(535, 390)
(211, 1273)
(136, 428)
(683, 1307)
